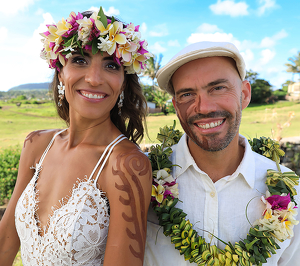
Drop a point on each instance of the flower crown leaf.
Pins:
(102, 17)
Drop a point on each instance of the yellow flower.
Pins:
(158, 193)
(53, 36)
(101, 28)
(126, 49)
(268, 214)
(57, 31)
(115, 36)
(135, 63)
(62, 27)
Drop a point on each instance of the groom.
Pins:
(219, 173)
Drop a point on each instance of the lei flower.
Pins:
(276, 224)
(97, 33)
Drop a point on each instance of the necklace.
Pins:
(261, 242)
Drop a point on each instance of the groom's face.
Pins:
(209, 98)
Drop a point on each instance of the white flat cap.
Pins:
(196, 51)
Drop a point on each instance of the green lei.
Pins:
(260, 242)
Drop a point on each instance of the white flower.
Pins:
(174, 190)
(69, 48)
(105, 44)
(165, 176)
(131, 33)
(84, 29)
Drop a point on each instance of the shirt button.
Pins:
(212, 194)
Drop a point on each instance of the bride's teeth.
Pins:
(92, 96)
(210, 125)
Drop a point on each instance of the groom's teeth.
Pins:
(210, 125)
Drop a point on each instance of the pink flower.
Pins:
(279, 202)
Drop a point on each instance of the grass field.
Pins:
(17, 122)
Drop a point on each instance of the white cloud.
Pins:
(266, 5)
(26, 66)
(157, 48)
(280, 35)
(110, 12)
(294, 51)
(3, 34)
(229, 7)
(13, 7)
(39, 12)
(174, 43)
(266, 56)
(213, 37)
(248, 56)
(143, 28)
(159, 31)
(208, 28)
(268, 42)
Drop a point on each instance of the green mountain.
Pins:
(31, 86)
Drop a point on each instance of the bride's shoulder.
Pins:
(37, 141)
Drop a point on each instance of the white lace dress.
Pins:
(77, 230)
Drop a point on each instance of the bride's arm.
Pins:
(129, 193)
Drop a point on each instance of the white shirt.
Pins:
(219, 207)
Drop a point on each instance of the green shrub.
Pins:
(9, 164)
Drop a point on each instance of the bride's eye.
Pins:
(79, 60)
(113, 66)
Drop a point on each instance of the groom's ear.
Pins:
(174, 104)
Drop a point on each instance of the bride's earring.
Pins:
(61, 93)
(120, 103)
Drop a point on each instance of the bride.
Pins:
(83, 192)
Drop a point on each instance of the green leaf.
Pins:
(102, 16)
(94, 46)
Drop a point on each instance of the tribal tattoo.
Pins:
(31, 135)
(135, 166)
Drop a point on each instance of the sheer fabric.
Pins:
(76, 231)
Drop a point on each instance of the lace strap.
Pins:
(49, 145)
(106, 153)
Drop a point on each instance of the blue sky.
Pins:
(265, 31)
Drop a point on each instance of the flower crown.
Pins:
(96, 33)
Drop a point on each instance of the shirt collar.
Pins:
(184, 159)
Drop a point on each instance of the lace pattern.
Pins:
(76, 231)
(75, 234)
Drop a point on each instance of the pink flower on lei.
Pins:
(276, 202)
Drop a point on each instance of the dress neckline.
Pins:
(43, 229)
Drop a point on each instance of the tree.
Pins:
(160, 98)
(260, 88)
(251, 76)
(153, 65)
(260, 91)
(294, 65)
(285, 85)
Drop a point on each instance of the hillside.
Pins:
(31, 86)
